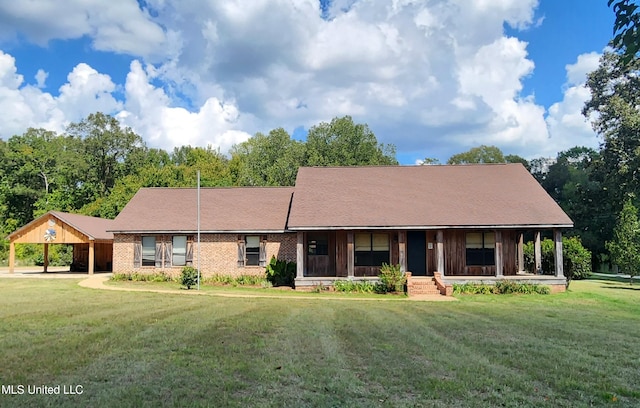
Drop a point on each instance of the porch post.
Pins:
(498, 254)
(402, 250)
(440, 251)
(350, 255)
(12, 256)
(557, 237)
(46, 257)
(91, 256)
(300, 256)
(537, 254)
(521, 252)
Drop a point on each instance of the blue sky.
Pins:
(433, 77)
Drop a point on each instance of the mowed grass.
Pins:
(148, 349)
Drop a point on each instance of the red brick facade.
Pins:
(218, 253)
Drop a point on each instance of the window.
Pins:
(317, 244)
(481, 249)
(148, 251)
(179, 250)
(252, 243)
(371, 249)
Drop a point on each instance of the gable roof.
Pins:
(233, 209)
(93, 228)
(457, 196)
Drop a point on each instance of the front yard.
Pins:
(148, 349)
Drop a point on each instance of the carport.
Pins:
(92, 243)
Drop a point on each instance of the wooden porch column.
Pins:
(91, 256)
(402, 250)
(300, 256)
(12, 256)
(350, 255)
(498, 254)
(440, 252)
(521, 252)
(537, 254)
(557, 237)
(46, 257)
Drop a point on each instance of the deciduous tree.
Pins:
(625, 246)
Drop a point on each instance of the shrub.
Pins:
(392, 279)
(576, 259)
(348, 286)
(502, 287)
(281, 272)
(189, 277)
(252, 280)
(121, 277)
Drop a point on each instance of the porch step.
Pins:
(422, 286)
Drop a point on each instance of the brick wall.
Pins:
(218, 253)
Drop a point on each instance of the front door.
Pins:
(417, 253)
(318, 259)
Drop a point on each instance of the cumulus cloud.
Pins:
(567, 126)
(432, 77)
(148, 112)
(114, 26)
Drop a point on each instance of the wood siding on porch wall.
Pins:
(455, 255)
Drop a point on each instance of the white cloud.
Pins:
(420, 73)
(567, 126)
(148, 112)
(114, 26)
(41, 78)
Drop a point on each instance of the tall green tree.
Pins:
(626, 29)
(112, 151)
(486, 154)
(614, 110)
(574, 182)
(625, 246)
(267, 160)
(342, 142)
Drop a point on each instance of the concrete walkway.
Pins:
(53, 272)
(97, 282)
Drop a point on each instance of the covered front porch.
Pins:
(461, 254)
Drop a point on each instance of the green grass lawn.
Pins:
(147, 349)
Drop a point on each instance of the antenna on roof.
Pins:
(198, 248)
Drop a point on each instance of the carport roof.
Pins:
(93, 228)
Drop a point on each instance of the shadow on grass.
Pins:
(621, 287)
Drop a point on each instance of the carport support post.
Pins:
(46, 257)
(12, 256)
(91, 256)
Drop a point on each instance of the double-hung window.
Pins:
(252, 245)
(371, 249)
(480, 248)
(148, 251)
(179, 250)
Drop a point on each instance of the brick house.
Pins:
(240, 230)
(439, 223)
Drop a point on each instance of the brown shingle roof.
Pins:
(422, 196)
(239, 209)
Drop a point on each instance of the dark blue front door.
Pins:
(417, 253)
